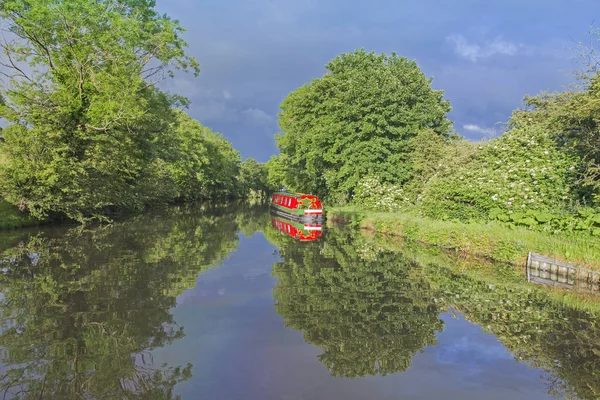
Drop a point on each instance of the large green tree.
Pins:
(356, 120)
(201, 163)
(87, 119)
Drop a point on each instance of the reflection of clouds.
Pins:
(469, 347)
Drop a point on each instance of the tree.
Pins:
(253, 178)
(356, 120)
(86, 116)
(573, 120)
(202, 163)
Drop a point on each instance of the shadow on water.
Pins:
(371, 303)
(82, 309)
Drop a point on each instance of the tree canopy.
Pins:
(89, 131)
(356, 120)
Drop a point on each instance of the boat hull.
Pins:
(297, 214)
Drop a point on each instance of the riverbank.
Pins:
(11, 217)
(491, 240)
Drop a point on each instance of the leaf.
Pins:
(494, 213)
(543, 217)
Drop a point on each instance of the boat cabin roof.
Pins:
(296, 194)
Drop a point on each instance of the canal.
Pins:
(220, 303)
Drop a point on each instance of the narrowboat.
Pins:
(299, 231)
(297, 206)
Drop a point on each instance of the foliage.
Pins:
(573, 119)
(202, 163)
(357, 120)
(519, 171)
(372, 194)
(494, 239)
(276, 172)
(11, 217)
(253, 179)
(90, 133)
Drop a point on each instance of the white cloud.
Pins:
(227, 95)
(478, 129)
(475, 51)
(258, 116)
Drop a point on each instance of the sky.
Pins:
(485, 54)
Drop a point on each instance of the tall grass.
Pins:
(490, 239)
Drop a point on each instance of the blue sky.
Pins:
(485, 54)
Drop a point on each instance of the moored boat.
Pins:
(297, 206)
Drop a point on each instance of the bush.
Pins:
(372, 194)
(520, 171)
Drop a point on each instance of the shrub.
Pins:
(372, 194)
(519, 171)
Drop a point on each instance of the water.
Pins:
(217, 304)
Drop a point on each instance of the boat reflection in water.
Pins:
(303, 232)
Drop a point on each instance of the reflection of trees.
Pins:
(81, 310)
(534, 324)
(370, 307)
(535, 328)
(369, 316)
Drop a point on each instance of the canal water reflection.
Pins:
(225, 303)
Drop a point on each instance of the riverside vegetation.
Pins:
(89, 132)
(372, 137)
(90, 135)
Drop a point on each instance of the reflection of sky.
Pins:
(240, 348)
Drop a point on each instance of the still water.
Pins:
(216, 303)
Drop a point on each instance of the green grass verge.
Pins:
(11, 217)
(490, 239)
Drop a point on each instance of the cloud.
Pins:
(258, 116)
(227, 95)
(478, 129)
(474, 51)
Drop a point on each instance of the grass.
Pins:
(485, 270)
(486, 239)
(11, 217)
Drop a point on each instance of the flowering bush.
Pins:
(370, 193)
(519, 171)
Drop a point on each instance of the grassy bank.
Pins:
(11, 217)
(490, 239)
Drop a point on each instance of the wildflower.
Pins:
(527, 161)
(512, 198)
(491, 181)
(495, 197)
(525, 197)
(546, 152)
(572, 168)
(565, 197)
(509, 203)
